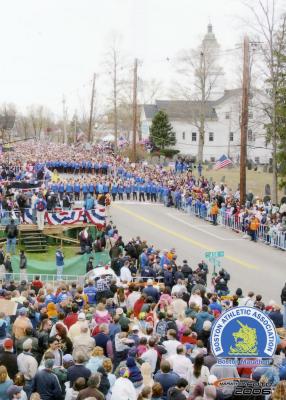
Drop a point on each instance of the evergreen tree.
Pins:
(161, 131)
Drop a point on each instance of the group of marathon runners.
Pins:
(126, 338)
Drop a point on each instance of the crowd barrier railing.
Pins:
(273, 238)
(54, 281)
(47, 278)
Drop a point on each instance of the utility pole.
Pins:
(229, 131)
(90, 135)
(244, 121)
(115, 92)
(64, 121)
(75, 126)
(135, 78)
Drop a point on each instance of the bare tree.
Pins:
(149, 90)
(23, 126)
(115, 69)
(41, 119)
(199, 72)
(36, 115)
(270, 26)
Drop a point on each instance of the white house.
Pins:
(222, 127)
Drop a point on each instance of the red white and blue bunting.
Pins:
(95, 217)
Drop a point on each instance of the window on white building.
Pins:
(184, 135)
(227, 115)
(256, 159)
(194, 136)
(231, 136)
(250, 135)
(211, 136)
(250, 115)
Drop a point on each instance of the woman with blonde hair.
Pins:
(108, 366)
(5, 383)
(279, 391)
(96, 359)
(146, 372)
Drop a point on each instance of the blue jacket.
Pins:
(69, 188)
(277, 318)
(59, 258)
(84, 188)
(134, 371)
(167, 380)
(40, 200)
(114, 189)
(152, 292)
(76, 188)
(164, 260)
(90, 291)
(77, 371)
(89, 203)
(143, 260)
(47, 385)
(54, 187)
(201, 317)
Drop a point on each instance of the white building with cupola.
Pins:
(222, 122)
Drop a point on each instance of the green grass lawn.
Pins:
(255, 180)
(50, 255)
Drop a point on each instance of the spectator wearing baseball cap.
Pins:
(28, 365)
(75, 329)
(14, 392)
(123, 388)
(8, 358)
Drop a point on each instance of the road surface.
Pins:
(252, 266)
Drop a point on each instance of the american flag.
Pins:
(222, 162)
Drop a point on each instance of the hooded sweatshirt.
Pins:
(134, 371)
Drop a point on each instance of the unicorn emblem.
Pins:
(245, 341)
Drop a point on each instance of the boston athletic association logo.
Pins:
(243, 335)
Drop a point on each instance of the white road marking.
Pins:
(194, 226)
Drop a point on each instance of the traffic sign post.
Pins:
(213, 257)
(214, 254)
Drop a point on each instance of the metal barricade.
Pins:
(6, 216)
(47, 278)
(236, 223)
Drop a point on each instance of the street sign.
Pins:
(214, 254)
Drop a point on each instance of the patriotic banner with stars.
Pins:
(69, 217)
